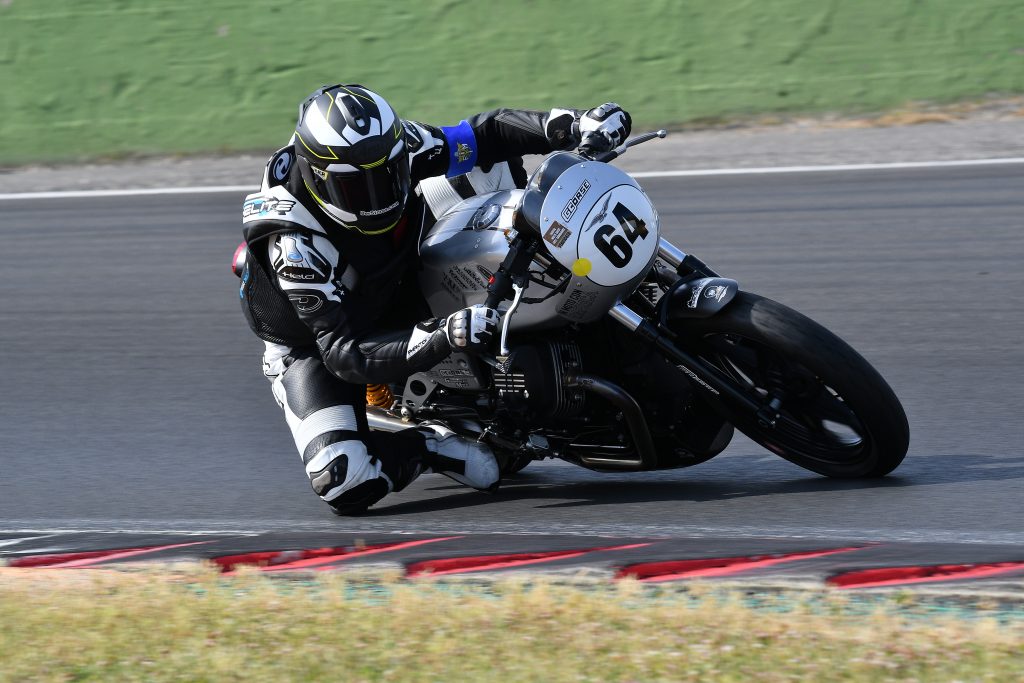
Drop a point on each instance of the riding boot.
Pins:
(464, 460)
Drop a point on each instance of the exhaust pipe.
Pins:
(381, 421)
(635, 420)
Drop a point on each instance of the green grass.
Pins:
(198, 626)
(87, 78)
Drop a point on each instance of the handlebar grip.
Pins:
(493, 300)
(496, 291)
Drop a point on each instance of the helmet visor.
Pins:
(372, 195)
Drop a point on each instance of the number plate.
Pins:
(599, 224)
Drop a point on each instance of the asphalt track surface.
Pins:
(132, 396)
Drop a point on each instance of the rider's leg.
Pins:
(348, 466)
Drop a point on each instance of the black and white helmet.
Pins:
(352, 155)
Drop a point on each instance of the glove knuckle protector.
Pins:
(472, 328)
(605, 127)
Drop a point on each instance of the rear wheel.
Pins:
(825, 408)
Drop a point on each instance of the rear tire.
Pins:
(838, 417)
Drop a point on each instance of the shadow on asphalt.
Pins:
(644, 488)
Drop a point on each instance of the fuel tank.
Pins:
(598, 229)
(465, 247)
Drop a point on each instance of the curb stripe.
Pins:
(477, 563)
(894, 576)
(693, 173)
(306, 563)
(651, 572)
(91, 557)
(289, 560)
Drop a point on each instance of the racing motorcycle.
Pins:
(618, 351)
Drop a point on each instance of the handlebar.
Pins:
(632, 142)
(513, 273)
(497, 291)
(513, 270)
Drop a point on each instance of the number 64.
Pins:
(615, 247)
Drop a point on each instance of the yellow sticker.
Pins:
(581, 268)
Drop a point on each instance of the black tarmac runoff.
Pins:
(133, 398)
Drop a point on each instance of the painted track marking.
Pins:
(893, 166)
(694, 173)
(26, 539)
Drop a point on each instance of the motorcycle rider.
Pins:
(328, 277)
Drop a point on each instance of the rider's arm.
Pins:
(324, 294)
(499, 135)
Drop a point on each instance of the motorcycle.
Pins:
(618, 351)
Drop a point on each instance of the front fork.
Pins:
(684, 264)
(706, 376)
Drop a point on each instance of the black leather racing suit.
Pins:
(338, 308)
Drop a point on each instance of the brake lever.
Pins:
(503, 350)
(605, 157)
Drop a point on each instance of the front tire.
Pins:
(836, 415)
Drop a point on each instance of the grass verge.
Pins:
(198, 626)
(95, 78)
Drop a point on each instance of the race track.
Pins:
(133, 397)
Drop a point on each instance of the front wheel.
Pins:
(824, 407)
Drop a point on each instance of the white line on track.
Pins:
(828, 169)
(16, 541)
(258, 527)
(73, 194)
(695, 173)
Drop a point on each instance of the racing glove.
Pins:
(604, 128)
(594, 130)
(472, 329)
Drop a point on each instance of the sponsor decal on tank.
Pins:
(577, 304)
(601, 215)
(570, 207)
(557, 234)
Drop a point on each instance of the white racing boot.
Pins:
(464, 460)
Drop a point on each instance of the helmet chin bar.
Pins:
(333, 211)
(363, 216)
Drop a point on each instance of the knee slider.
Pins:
(330, 477)
(338, 467)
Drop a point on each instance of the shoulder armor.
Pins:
(277, 206)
